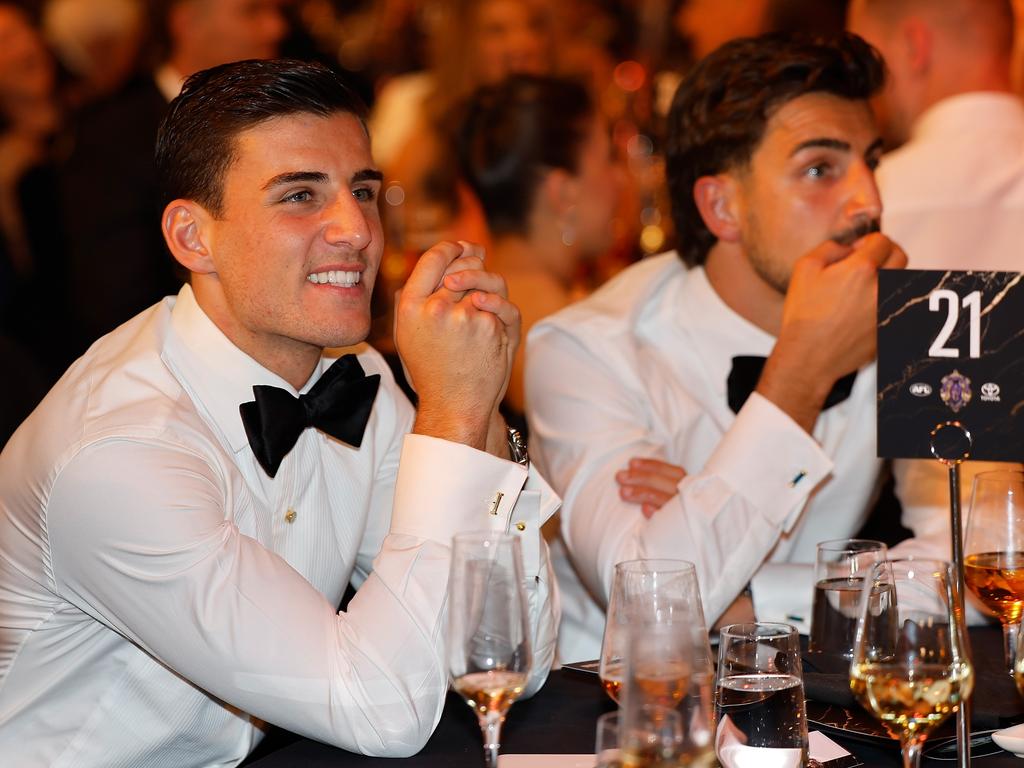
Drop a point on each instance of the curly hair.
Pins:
(718, 115)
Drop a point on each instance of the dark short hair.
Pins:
(511, 134)
(195, 144)
(718, 115)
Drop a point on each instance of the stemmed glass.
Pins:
(994, 550)
(910, 664)
(652, 592)
(488, 629)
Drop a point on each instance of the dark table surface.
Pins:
(561, 719)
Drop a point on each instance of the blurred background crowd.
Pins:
(533, 127)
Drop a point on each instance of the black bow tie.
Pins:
(746, 370)
(338, 404)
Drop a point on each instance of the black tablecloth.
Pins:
(562, 716)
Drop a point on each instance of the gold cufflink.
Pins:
(498, 496)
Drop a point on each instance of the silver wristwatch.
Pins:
(517, 447)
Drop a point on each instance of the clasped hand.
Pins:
(457, 334)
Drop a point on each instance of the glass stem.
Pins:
(490, 725)
(912, 755)
(1010, 632)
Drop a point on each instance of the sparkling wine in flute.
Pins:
(490, 691)
(997, 578)
(761, 718)
(910, 700)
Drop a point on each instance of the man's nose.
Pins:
(346, 224)
(864, 200)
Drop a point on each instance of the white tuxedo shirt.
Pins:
(953, 195)
(161, 596)
(639, 369)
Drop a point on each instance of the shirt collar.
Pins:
(717, 326)
(965, 111)
(217, 374)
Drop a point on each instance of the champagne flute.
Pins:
(651, 592)
(910, 664)
(488, 629)
(994, 550)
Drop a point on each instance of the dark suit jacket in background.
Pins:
(118, 263)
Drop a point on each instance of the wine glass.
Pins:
(910, 665)
(488, 629)
(759, 697)
(994, 550)
(650, 592)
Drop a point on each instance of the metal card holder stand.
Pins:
(951, 444)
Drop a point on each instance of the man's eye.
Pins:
(364, 194)
(819, 171)
(872, 163)
(298, 197)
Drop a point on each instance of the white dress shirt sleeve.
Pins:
(154, 556)
(586, 423)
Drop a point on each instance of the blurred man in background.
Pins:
(118, 264)
(953, 188)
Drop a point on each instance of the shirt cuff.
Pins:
(444, 488)
(783, 592)
(770, 460)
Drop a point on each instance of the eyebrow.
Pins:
(317, 177)
(837, 144)
(367, 174)
(313, 177)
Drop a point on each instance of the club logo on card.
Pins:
(950, 347)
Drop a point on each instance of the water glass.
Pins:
(759, 697)
(839, 572)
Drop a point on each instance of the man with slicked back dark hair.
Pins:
(182, 514)
(727, 415)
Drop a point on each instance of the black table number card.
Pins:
(951, 348)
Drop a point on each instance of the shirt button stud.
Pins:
(520, 526)
(290, 515)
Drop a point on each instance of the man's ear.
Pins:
(186, 227)
(560, 189)
(918, 44)
(717, 202)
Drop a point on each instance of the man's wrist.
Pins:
(792, 382)
(457, 428)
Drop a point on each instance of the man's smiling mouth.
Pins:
(335, 277)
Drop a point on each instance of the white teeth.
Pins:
(335, 277)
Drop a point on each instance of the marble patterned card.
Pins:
(951, 349)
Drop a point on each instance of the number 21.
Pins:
(972, 301)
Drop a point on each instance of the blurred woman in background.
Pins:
(537, 155)
(472, 43)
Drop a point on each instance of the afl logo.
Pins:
(920, 389)
(990, 392)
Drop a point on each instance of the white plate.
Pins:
(1011, 739)
(545, 761)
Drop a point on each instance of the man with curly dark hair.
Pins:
(728, 412)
